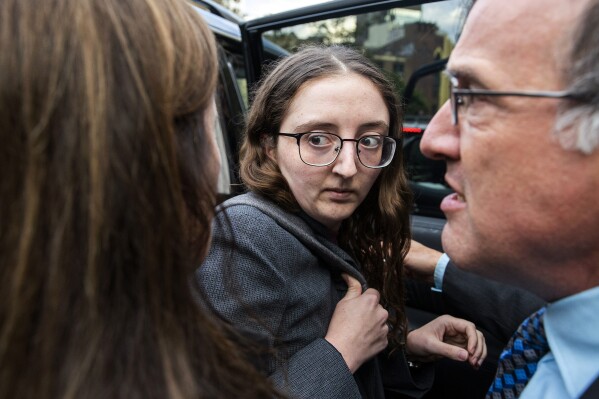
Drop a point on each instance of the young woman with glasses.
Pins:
(309, 262)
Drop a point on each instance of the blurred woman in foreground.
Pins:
(107, 188)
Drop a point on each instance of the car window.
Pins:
(236, 64)
(399, 40)
(403, 42)
(224, 176)
(231, 107)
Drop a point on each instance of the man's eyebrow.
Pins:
(467, 76)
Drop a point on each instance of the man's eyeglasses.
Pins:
(322, 149)
(461, 98)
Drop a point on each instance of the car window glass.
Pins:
(229, 123)
(224, 177)
(237, 64)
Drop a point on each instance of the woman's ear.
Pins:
(269, 147)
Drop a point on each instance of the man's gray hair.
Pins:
(577, 126)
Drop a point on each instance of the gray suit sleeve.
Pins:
(245, 281)
(498, 308)
(316, 371)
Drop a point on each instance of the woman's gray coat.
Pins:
(276, 276)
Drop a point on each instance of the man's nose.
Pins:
(441, 137)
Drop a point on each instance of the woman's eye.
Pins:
(319, 140)
(370, 141)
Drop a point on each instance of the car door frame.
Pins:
(252, 30)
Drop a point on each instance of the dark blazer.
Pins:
(593, 391)
(274, 276)
(496, 307)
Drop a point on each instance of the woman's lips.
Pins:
(453, 202)
(339, 194)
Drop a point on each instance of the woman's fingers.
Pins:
(481, 351)
(358, 327)
(476, 344)
(449, 337)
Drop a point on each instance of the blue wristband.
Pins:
(440, 272)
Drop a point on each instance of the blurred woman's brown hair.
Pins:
(107, 191)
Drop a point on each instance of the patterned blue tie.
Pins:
(519, 359)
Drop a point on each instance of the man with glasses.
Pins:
(520, 136)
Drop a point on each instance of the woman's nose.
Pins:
(345, 164)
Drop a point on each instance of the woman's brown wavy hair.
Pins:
(105, 208)
(378, 233)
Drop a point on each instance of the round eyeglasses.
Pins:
(322, 149)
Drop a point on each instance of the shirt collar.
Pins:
(571, 326)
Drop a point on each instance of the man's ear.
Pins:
(269, 147)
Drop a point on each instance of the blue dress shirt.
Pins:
(572, 329)
(440, 272)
